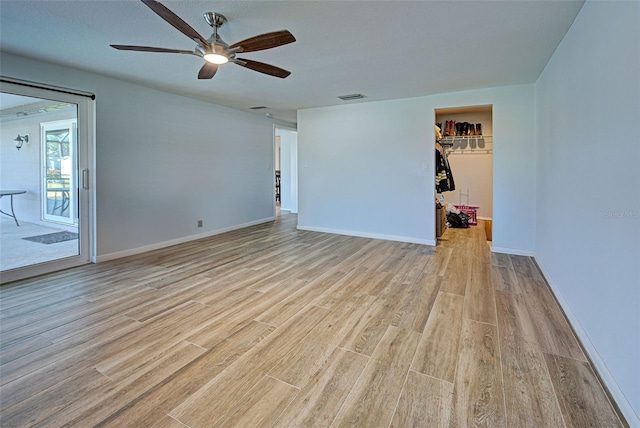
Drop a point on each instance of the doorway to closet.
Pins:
(465, 148)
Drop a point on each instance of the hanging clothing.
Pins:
(444, 176)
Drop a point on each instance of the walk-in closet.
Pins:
(464, 165)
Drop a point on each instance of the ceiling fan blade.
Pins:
(150, 49)
(175, 20)
(265, 41)
(207, 71)
(261, 67)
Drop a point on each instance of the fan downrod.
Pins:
(215, 20)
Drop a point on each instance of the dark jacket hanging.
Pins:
(444, 176)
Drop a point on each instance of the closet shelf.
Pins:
(469, 144)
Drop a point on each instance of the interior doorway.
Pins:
(46, 223)
(286, 169)
(466, 142)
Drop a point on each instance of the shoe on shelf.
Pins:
(478, 129)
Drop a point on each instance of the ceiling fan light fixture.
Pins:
(215, 58)
(214, 50)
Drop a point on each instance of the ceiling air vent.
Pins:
(258, 108)
(351, 97)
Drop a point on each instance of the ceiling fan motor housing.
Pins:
(218, 46)
(215, 20)
(216, 41)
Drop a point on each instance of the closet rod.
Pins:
(474, 152)
(445, 144)
(61, 89)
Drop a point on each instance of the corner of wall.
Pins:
(594, 356)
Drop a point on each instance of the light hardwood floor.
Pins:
(271, 326)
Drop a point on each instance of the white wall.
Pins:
(165, 161)
(368, 169)
(20, 169)
(588, 214)
(363, 170)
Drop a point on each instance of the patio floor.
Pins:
(17, 252)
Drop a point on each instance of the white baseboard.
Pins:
(359, 234)
(157, 246)
(621, 400)
(513, 251)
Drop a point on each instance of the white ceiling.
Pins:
(382, 49)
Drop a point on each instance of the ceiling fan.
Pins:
(214, 50)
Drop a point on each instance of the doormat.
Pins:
(52, 238)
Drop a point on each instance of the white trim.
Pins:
(600, 366)
(91, 191)
(408, 239)
(159, 245)
(513, 251)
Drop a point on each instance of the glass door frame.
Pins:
(86, 179)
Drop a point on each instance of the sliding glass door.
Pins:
(47, 226)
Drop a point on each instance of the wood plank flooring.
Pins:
(271, 326)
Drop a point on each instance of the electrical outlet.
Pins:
(199, 223)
